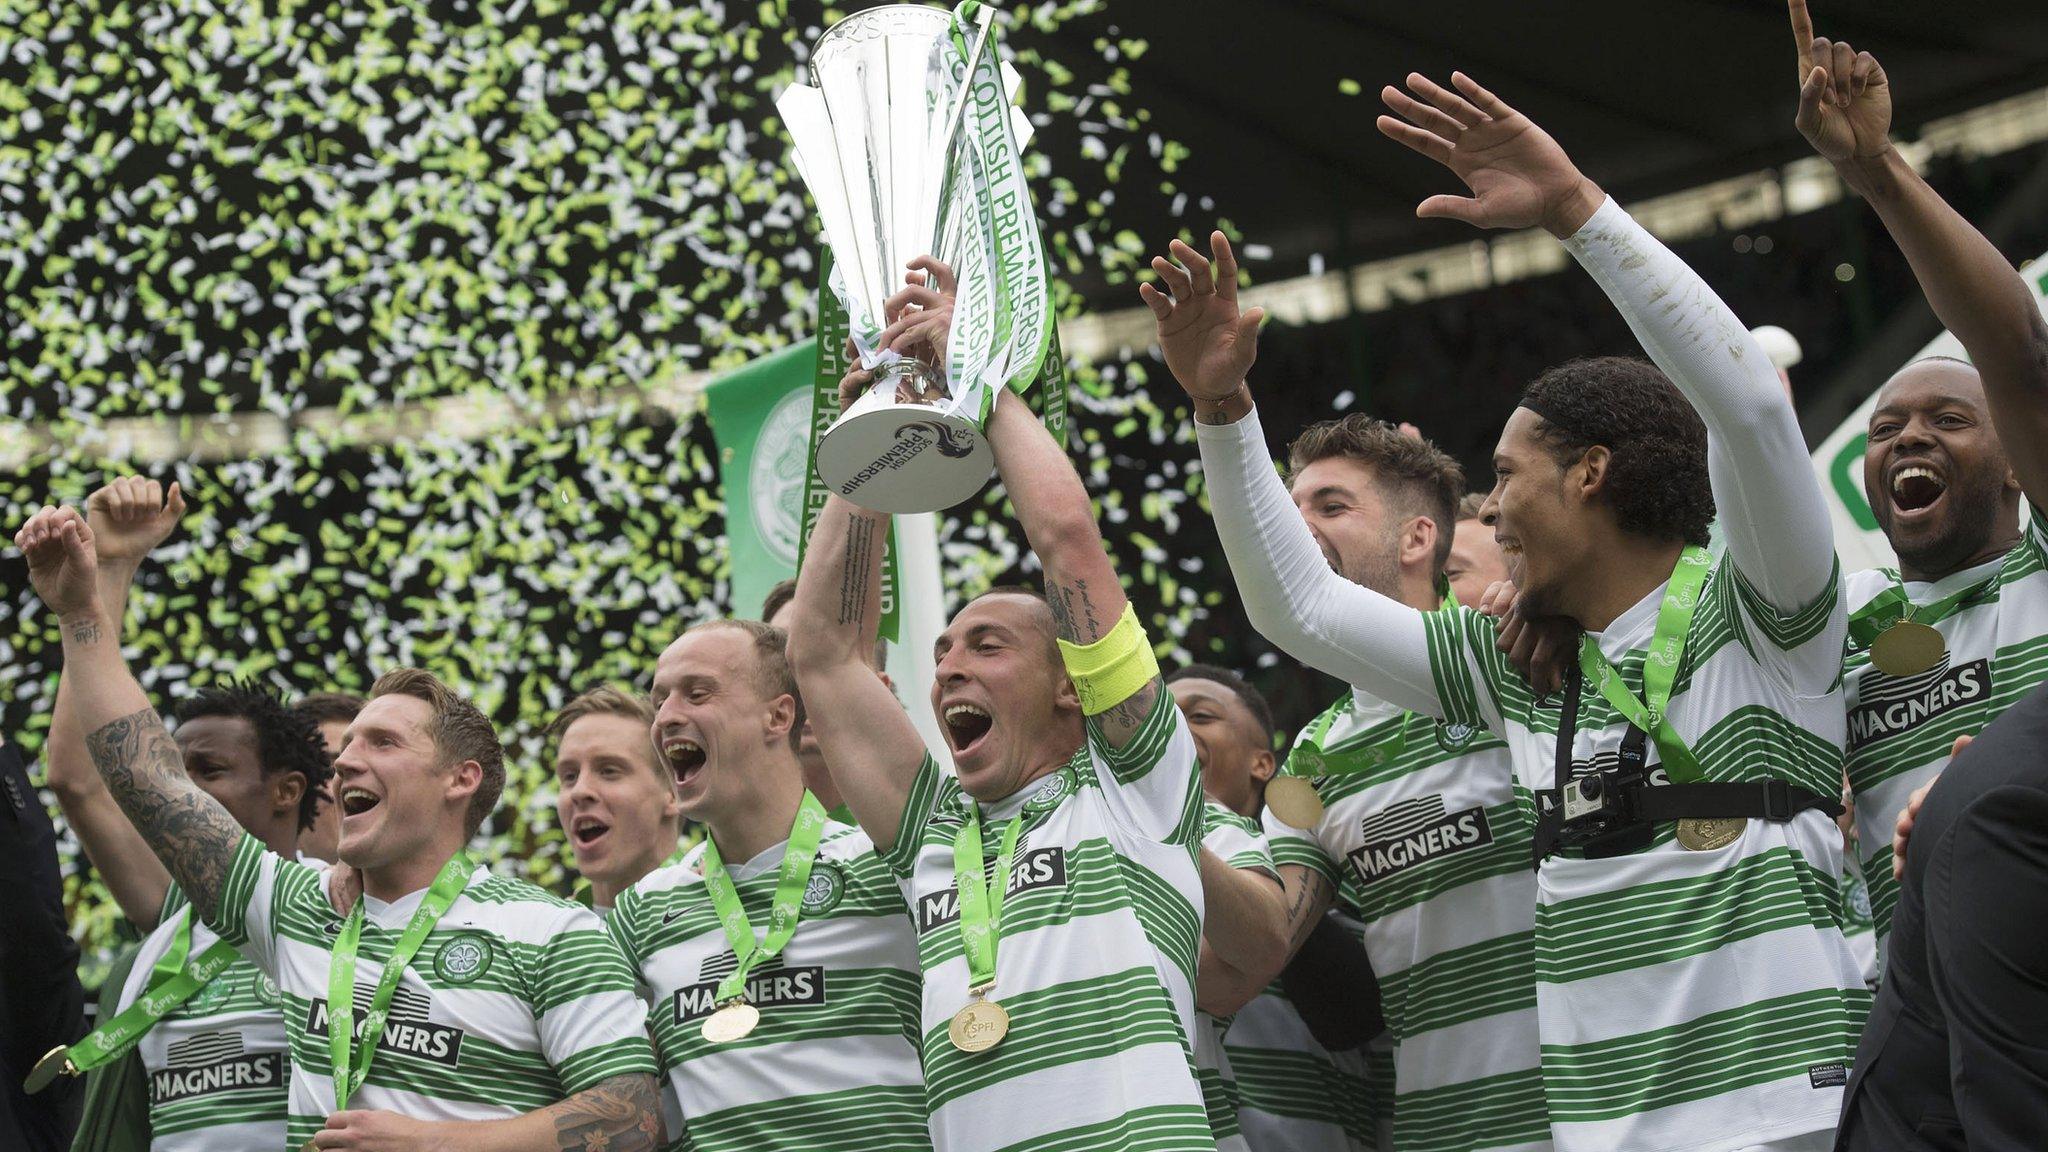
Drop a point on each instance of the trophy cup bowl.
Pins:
(876, 136)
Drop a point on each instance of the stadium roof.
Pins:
(1649, 97)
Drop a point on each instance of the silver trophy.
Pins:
(910, 144)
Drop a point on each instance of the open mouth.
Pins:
(966, 726)
(1916, 487)
(685, 757)
(1508, 547)
(588, 830)
(356, 801)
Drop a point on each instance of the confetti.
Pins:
(353, 205)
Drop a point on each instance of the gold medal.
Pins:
(1701, 835)
(978, 1027)
(1294, 801)
(731, 1022)
(1907, 648)
(56, 1062)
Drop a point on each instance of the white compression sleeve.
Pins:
(1289, 591)
(1770, 508)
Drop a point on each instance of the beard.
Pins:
(1971, 525)
(1379, 569)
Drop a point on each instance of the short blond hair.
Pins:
(607, 700)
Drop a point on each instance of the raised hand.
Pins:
(1518, 175)
(131, 516)
(920, 315)
(1845, 104)
(61, 564)
(1209, 345)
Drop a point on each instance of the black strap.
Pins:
(1767, 800)
(1549, 811)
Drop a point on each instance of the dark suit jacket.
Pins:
(41, 1004)
(1956, 1052)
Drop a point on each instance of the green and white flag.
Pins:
(1838, 462)
(761, 418)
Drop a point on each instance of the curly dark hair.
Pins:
(1657, 478)
(287, 740)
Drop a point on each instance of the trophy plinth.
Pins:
(905, 446)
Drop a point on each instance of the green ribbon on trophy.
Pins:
(1021, 288)
(171, 983)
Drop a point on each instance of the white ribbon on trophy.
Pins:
(911, 145)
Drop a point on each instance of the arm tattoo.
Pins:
(85, 632)
(188, 830)
(622, 1114)
(857, 570)
(1073, 612)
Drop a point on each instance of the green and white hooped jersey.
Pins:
(217, 1065)
(834, 1060)
(516, 1000)
(1293, 1094)
(1427, 845)
(1236, 841)
(1682, 992)
(1095, 957)
(1901, 728)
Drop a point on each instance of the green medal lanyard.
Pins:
(1660, 666)
(783, 911)
(981, 897)
(346, 1044)
(171, 983)
(1892, 605)
(1317, 764)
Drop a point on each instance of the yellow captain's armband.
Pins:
(1111, 670)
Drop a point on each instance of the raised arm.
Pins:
(870, 746)
(1845, 112)
(1289, 591)
(1080, 582)
(130, 517)
(1771, 509)
(187, 829)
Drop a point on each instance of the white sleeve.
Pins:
(1289, 591)
(1770, 508)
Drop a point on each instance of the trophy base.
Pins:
(888, 454)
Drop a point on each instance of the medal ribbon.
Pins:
(351, 1055)
(1359, 759)
(1660, 666)
(783, 910)
(1892, 605)
(171, 983)
(1353, 760)
(981, 895)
